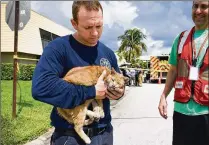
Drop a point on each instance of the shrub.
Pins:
(25, 71)
(7, 71)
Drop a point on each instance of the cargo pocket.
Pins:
(181, 90)
(202, 91)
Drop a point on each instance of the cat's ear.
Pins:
(113, 71)
(126, 79)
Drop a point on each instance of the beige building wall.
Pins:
(29, 38)
(7, 57)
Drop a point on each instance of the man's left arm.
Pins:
(118, 92)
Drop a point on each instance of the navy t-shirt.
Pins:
(59, 56)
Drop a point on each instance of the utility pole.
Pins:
(17, 16)
(15, 59)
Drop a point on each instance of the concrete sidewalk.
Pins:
(136, 119)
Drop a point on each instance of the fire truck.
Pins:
(159, 68)
(156, 70)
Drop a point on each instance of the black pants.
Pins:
(190, 130)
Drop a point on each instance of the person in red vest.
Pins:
(188, 74)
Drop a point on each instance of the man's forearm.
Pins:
(169, 81)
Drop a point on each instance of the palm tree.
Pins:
(131, 45)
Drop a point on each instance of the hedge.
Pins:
(25, 71)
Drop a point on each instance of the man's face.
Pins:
(200, 13)
(89, 26)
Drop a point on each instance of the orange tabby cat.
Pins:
(88, 76)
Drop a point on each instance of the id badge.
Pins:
(194, 73)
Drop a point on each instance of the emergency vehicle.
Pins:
(159, 67)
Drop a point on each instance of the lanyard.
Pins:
(194, 59)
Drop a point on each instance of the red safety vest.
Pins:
(183, 86)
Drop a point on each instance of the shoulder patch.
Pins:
(105, 62)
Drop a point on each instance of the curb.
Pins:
(43, 139)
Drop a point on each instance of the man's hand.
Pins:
(163, 107)
(100, 86)
(115, 94)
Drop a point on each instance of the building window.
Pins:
(46, 37)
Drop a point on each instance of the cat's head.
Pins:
(116, 80)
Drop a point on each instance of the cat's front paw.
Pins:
(101, 112)
(97, 115)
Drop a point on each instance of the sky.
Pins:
(160, 21)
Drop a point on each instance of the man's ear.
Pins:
(74, 24)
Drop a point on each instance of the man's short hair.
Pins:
(89, 5)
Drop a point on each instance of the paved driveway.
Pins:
(136, 119)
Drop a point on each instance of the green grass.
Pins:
(32, 116)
